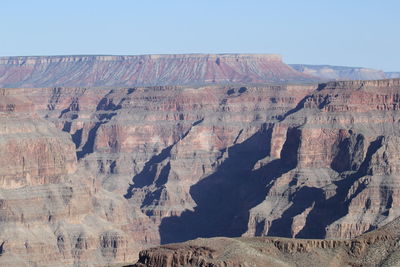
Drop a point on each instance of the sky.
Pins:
(363, 33)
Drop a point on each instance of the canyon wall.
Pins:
(165, 164)
(146, 70)
(53, 213)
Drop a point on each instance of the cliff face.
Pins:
(273, 159)
(327, 72)
(193, 69)
(173, 163)
(345, 164)
(377, 248)
(53, 213)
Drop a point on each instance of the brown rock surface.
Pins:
(376, 248)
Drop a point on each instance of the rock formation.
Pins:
(53, 213)
(376, 248)
(273, 159)
(102, 172)
(392, 75)
(328, 72)
(344, 178)
(190, 69)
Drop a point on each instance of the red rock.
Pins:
(193, 69)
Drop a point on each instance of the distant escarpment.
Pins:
(182, 162)
(328, 72)
(392, 75)
(146, 70)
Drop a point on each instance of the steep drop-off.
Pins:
(145, 70)
(53, 213)
(181, 162)
(345, 176)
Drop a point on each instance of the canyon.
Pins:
(102, 166)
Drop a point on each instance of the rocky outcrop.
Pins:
(146, 70)
(328, 72)
(377, 248)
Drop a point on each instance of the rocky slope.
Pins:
(193, 69)
(328, 72)
(376, 248)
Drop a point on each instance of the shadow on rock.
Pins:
(225, 197)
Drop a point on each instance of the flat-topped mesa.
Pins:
(146, 70)
(328, 72)
(28, 60)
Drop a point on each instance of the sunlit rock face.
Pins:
(161, 164)
(345, 177)
(51, 212)
(189, 69)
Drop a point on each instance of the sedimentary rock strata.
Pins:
(130, 167)
(51, 213)
(193, 69)
(346, 161)
(377, 248)
(298, 147)
(328, 72)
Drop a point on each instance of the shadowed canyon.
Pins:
(104, 156)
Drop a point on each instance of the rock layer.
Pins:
(193, 69)
(377, 248)
(345, 161)
(174, 163)
(53, 213)
(328, 72)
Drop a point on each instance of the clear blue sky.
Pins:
(338, 32)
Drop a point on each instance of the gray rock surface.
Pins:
(329, 73)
